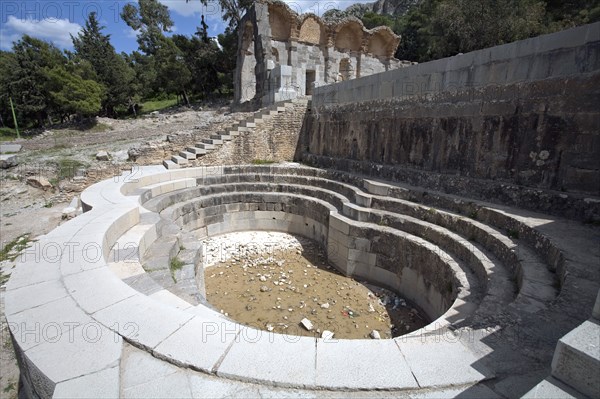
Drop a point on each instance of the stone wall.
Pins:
(276, 139)
(521, 114)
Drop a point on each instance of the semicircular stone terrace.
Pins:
(490, 278)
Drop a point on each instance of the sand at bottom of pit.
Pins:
(272, 281)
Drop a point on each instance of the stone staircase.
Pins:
(215, 141)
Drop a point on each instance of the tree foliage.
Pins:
(27, 77)
(69, 93)
(111, 68)
(151, 19)
(434, 29)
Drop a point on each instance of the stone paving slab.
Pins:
(199, 344)
(168, 298)
(551, 388)
(378, 365)
(88, 349)
(281, 360)
(47, 322)
(142, 320)
(34, 272)
(126, 269)
(103, 384)
(31, 296)
(97, 289)
(174, 385)
(442, 360)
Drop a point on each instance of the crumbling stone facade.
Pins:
(283, 55)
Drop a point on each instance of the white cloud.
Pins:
(195, 7)
(186, 9)
(320, 7)
(56, 31)
(130, 33)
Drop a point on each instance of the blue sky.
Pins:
(54, 21)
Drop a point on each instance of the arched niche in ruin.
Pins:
(248, 78)
(312, 31)
(275, 55)
(349, 37)
(382, 43)
(280, 21)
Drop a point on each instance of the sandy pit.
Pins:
(273, 281)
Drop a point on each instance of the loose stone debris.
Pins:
(282, 283)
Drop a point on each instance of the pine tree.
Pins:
(151, 19)
(28, 78)
(111, 68)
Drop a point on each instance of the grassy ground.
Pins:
(7, 134)
(158, 105)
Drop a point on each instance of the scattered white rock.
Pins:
(375, 334)
(71, 211)
(39, 182)
(120, 156)
(325, 305)
(8, 161)
(371, 308)
(102, 156)
(307, 324)
(327, 335)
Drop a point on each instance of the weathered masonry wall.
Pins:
(283, 55)
(492, 124)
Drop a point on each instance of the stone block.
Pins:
(97, 289)
(143, 320)
(339, 223)
(423, 356)
(277, 359)
(102, 384)
(46, 323)
(87, 349)
(551, 388)
(33, 272)
(576, 360)
(171, 385)
(30, 296)
(362, 256)
(381, 365)
(596, 310)
(200, 343)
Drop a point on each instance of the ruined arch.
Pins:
(312, 31)
(280, 21)
(349, 37)
(382, 43)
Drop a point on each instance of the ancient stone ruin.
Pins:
(283, 55)
(470, 185)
